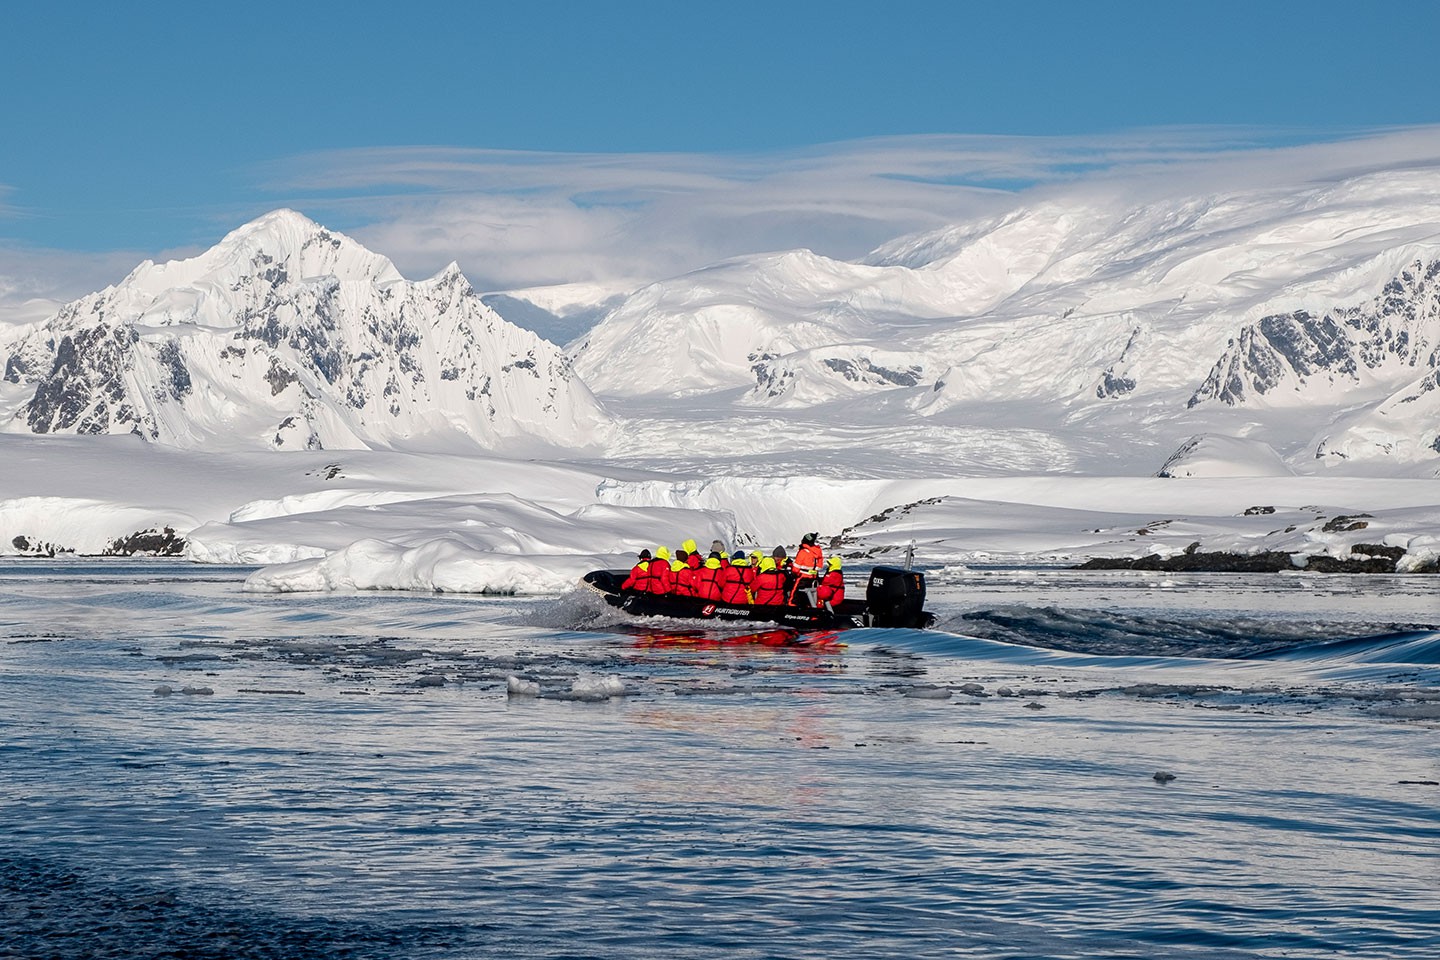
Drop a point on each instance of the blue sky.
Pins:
(141, 128)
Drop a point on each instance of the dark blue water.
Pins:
(348, 777)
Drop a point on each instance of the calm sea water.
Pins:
(346, 776)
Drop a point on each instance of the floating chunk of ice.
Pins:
(597, 688)
(928, 693)
(516, 687)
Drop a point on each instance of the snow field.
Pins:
(386, 520)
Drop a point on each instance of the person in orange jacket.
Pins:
(808, 566)
(831, 591)
(769, 585)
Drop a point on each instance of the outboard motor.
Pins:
(896, 598)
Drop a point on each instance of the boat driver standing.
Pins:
(808, 567)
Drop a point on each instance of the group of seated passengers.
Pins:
(742, 579)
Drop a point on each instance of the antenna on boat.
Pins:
(910, 555)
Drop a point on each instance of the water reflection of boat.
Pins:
(893, 598)
(707, 640)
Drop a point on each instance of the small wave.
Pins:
(1419, 647)
(1115, 634)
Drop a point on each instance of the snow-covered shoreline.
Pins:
(388, 520)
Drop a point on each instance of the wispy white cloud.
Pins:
(34, 283)
(515, 219)
(518, 219)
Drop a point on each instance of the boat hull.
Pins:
(842, 616)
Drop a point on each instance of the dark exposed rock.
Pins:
(1197, 562)
(1347, 524)
(38, 548)
(88, 371)
(774, 378)
(152, 543)
(1335, 346)
(1112, 385)
(1378, 550)
(1114, 382)
(1366, 558)
(1324, 564)
(176, 377)
(16, 369)
(863, 371)
(279, 378)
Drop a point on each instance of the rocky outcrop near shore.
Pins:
(1364, 558)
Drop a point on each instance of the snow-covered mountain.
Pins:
(1301, 318)
(1082, 332)
(291, 336)
(1005, 389)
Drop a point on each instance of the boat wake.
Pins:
(1193, 635)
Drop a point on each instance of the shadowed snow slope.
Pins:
(289, 336)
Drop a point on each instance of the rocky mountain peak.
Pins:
(286, 334)
(1395, 336)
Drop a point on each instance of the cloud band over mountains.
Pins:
(515, 219)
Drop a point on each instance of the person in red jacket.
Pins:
(734, 580)
(831, 591)
(769, 585)
(707, 578)
(639, 578)
(682, 574)
(660, 579)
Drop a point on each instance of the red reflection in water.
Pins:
(703, 640)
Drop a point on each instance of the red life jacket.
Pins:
(832, 588)
(660, 580)
(769, 587)
(684, 580)
(707, 581)
(732, 585)
(639, 578)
